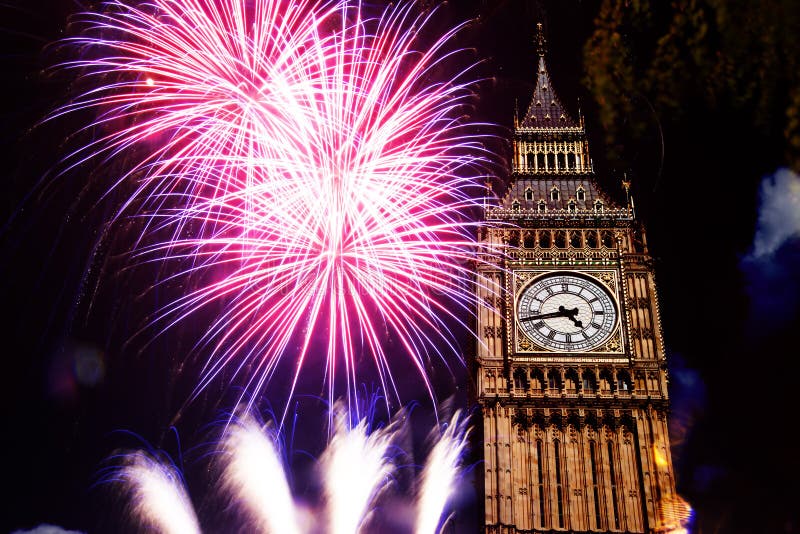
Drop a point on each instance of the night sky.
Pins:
(723, 228)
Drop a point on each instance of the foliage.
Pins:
(736, 56)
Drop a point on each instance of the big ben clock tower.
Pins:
(570, 367)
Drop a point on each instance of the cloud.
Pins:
(47, 529)
(779, 213)
(771, 267)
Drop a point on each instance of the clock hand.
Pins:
(570, 314)
(562, 312)
(542, 316)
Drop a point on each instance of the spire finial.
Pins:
(541, 42)
(626, 185)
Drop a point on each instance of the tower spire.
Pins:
(545, 109)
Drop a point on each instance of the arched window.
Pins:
(561, 239)
(562, 164)
(575, 239)
(556, 420)
(580, 194)
(537, 380)
(528, 193)
(540, 161)
(607, 238)
(551, 161)
(598, 206)
(515, 205)
(640, 383)
(542, 206)
(591, 239)
(589, 384)
(559, 488)
(554, 193)
(571, 160)
(545, 239)
(553, 381)
(540, 484)
(528, 240)
(520, 380)
(572, 207)
(529, 159)
(595, 484)
(571, 381)
(605, 381)
(623, 382)
(613, 477)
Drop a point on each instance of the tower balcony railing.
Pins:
(565, 254)
(550, 130)
(497, 213)
(533, 169)
(570, 393)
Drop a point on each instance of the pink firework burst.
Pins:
(305, 165)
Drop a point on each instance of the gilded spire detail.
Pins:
(541, 42)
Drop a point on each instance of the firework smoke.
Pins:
(253, 475)
(356, 470)
(439, 475)
(157, 494)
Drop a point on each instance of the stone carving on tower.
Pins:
(570, 369)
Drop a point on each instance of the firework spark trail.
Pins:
(158, 495)
(254, 477)
(439, 475)
(302, 166)
(356, 468)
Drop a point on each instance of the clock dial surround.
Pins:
(566, 312)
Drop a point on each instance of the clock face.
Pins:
(566, 312)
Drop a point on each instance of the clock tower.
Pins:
(570, 369)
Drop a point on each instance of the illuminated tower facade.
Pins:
(570, 373)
